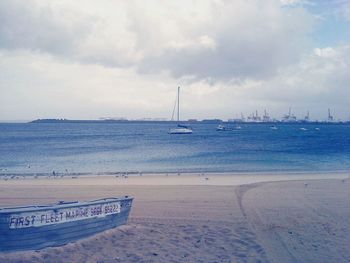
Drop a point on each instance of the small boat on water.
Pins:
(180, 129)
(37, 227)
(273, 128)
(222, 127)
(303, 129)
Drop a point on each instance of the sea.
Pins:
(147, 147)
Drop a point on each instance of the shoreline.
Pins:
(168, 179)
(151, 173)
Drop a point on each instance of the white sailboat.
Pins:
(180, 129)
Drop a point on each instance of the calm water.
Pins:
(120, 147)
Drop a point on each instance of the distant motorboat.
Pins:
(317, 129)
(222, 127)
(273, 128)
(303, 129)
(180, 129)
(238, 127)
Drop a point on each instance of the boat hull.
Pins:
(225, 128)
(31, 228)
(180, 131)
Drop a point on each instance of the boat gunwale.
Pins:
(60, 205)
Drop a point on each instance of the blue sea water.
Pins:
(30, 148)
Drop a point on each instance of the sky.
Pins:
(93, 59)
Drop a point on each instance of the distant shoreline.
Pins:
(206, 121)
(184, 174)
(190, 122)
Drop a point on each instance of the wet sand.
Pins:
(202, 218)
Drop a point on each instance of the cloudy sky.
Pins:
(89, 59)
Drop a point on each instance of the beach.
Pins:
(201, 217)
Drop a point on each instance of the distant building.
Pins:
(307, 117)
(266, 117)
(242, 119)
(235, 120)
(289, 117)
(330, 117)
(254, 117)
(212, 120)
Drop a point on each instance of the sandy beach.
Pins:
(202, 217)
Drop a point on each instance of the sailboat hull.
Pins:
(180, 131)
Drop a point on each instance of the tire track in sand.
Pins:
(256, 252)
(253, 219)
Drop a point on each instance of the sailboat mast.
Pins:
(181, 129)
(178, 104)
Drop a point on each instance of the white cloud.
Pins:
(34, 85)
(126, 58)
(38, 86)
(319, 81)
(252, 39)
(216, 39)
(325, 52)
(297, 2)
(202, 42)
